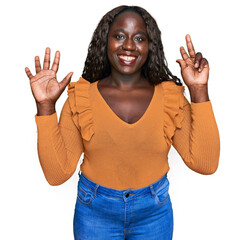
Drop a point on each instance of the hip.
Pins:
(107, 213)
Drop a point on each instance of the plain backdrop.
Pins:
(205, 206)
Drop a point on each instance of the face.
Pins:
(127, 43)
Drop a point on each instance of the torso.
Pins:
(130, 105)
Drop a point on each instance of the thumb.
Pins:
(181, 63)
(65, 81)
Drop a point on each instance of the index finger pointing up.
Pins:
(190, 46)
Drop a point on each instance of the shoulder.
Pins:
(78, 98)
(174, 94)
(80, 85)
(172, 86)
(173, 105)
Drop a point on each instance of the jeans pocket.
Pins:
(162, 193)
(84, 194)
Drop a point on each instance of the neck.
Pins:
(125, 81)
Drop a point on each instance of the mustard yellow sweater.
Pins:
(120, 155)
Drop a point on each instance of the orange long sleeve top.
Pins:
(120, 155)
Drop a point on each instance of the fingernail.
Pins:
(196, 64)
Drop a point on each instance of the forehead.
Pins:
(129, 19)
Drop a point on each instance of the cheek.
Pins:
(113, 45)
(112, 48)
(144, 51)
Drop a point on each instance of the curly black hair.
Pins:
(155, 69)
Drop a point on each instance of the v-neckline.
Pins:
(117, 117)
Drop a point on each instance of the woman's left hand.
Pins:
(194, 68)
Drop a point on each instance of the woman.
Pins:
(124, 113)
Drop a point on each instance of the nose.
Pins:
(128, 44)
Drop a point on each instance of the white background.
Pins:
(205, 207)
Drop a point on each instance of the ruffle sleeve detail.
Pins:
(173, 103)
(78, 96)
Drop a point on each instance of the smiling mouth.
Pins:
(127, 60)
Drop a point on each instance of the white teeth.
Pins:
(127, 58)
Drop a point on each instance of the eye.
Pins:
(119, 36)
(139, 39)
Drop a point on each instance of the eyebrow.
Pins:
(122, 30)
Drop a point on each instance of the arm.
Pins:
(197, 141)
(59, 145)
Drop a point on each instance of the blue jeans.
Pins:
(103, 213)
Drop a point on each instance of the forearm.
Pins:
(51, 150)
(198, 140)
(59, 146)
(44, 109)
(198, 93)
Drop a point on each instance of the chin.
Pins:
(129, 71)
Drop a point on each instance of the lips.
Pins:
(127, 59)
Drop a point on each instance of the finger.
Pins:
(28, 72)
(190, 46)
(65, 81)
(46, 59)
(182, 63)
(37, 64)
(203, 64)
(183, 53)
(198, 59)
(56, 62)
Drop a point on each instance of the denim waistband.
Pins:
(95, 187)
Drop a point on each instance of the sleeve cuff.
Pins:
(202, 109)
(201, 103)
(46, 121)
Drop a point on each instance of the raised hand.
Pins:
(194, 68)
(44, 85)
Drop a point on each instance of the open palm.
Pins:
(44, 85)
(194, 68)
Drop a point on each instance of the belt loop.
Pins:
(152, 191)
(95, 189)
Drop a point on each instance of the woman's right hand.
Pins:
(44, 85)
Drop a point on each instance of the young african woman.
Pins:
(124, 113)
